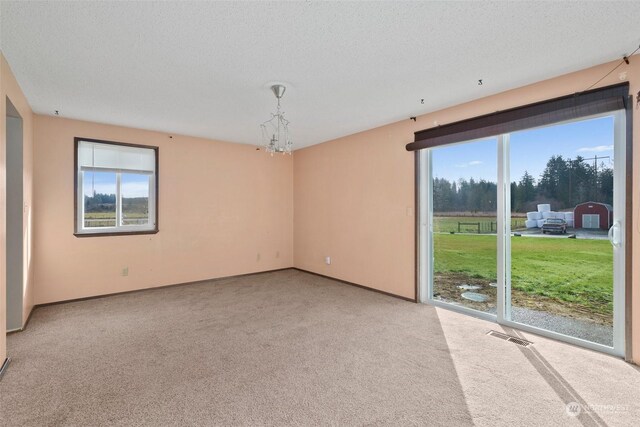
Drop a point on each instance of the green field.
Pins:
(574, 271)
(108, 219)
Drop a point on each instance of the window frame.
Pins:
(118, 230)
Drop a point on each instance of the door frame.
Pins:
(424, 224)
(622, 257)
(14, 212)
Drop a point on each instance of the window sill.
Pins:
(116, 233)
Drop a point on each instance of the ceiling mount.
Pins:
(278, 90)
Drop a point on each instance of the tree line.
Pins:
(107, 203)
(564, 183)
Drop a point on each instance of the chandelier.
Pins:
(275, 131)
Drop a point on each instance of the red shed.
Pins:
(593, 215)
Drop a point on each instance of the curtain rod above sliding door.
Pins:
(569, 107)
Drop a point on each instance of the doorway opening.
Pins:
(14, 210)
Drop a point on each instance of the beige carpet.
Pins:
(290, 348)
(277, 348)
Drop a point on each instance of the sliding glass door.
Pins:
(527, 229)
(464, 243)
(563, 277)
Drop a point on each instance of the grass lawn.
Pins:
(108, 219)
(570, 270)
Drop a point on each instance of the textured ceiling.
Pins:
(204, 68)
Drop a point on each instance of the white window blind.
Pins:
(115, 157)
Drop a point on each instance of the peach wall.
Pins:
(353, 196)
(9, 88)
(220, 205)
(354, 202)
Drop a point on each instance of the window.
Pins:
(116, 188)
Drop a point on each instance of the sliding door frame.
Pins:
(503, 229)
(425, 259)
(621, 262)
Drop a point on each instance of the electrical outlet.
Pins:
(258, 257)
(125, 271)
(277, 254)
(327, 260)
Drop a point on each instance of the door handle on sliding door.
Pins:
(614, 235)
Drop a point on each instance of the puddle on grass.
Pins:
(450, 287)
(474, 296)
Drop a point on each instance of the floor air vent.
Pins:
(509, 338)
